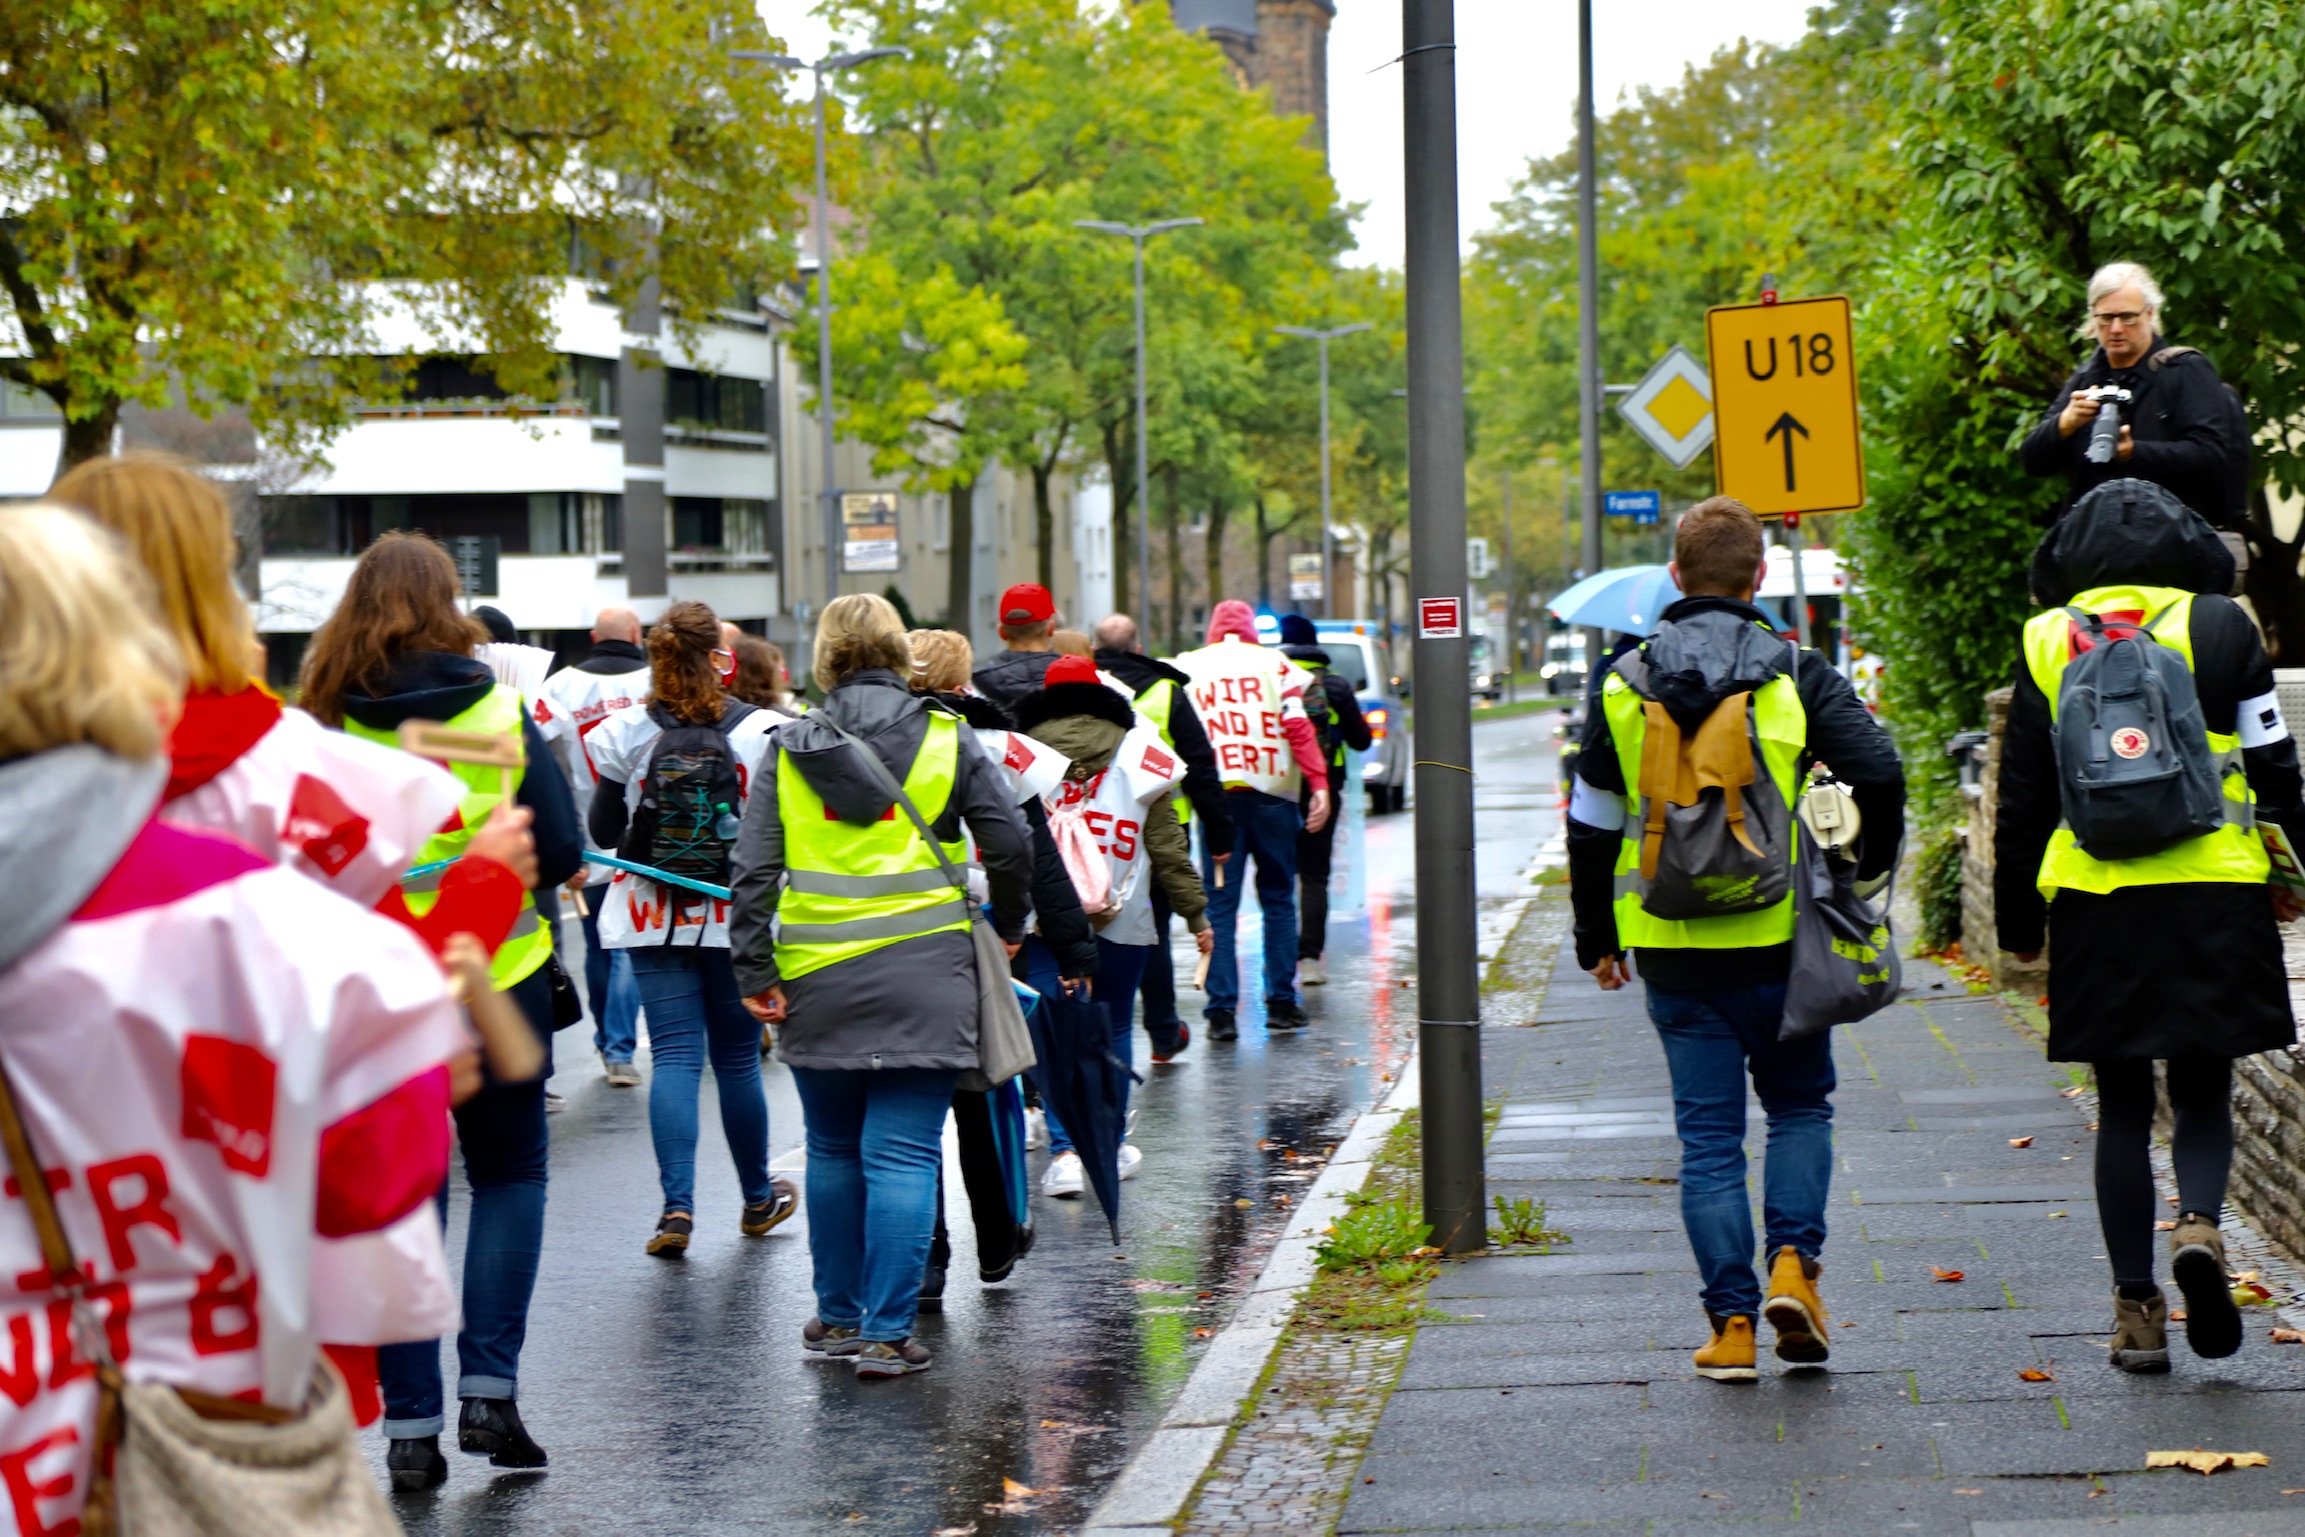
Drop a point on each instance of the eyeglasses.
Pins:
(2121, 318)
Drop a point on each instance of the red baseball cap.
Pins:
(1070, 669)
(1027, 603)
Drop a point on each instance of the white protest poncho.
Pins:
(636, 912)
(572, 705)
(1112, 806)
(178, 1048)
(1030, 768)
(347, 813)
(1246, 695)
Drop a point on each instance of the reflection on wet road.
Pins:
(674, 1397)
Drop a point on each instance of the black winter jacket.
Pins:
(1204, 786)
(1725, 652)
(2175, 422)
(1007, 676)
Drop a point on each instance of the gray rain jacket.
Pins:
(913, 1003)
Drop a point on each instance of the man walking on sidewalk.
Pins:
(1028, 619)
(1251, 699)
(1680, 851)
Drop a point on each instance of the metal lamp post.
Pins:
(820, 69)
(1328, 538)
(1137, 234)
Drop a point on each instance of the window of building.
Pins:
(703, 402)
(591, 382)
(714, 530)
(531, 523)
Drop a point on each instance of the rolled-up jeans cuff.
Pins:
(415, 1430)
(469, 1386)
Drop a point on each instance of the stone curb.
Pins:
(1160, 1478)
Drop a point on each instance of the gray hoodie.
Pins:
(66, 817)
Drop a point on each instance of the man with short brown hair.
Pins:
(1665, 791)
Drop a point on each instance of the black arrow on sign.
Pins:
(1788, 424)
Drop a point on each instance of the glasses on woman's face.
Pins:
(2122, 318)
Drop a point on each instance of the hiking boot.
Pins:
(880, 1358)
(1222, 1025)
(1795, 1310)
(671, 1236)
(491, 1427)
(1310, 974)
(415, 1463)
(2140, 1332)
(1064, 1178)
(1173, 1047)
(2197, 1263)
(1729, 1358)
(783, 1200)
(1285, 1014)
(820, 1338)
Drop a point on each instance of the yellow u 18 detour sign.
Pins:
(1785, 434)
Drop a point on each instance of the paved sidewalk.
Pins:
(1559, 1397)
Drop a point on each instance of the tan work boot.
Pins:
(1795, 1310)
(2140, 1333)
(1729, 1358)
(2197, 1264)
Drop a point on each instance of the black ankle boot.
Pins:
(415, 1463)
(491, 1427)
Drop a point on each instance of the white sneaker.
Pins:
(1130, 1159)
(1310, 974)
(1035, 1130)
(1064, 1178)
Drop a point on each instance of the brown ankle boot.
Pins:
(1795, 1310)
(2140, 1333)
(2197, 1264)
(1729, 1358)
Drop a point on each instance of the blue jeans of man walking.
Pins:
(1712, 1041)
(501, 1132)
(694, 1012)
(609, 991)
(1265, 830)
(875, 1148)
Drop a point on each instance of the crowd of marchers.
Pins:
(266, 967)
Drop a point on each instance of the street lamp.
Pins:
(1328, 540)
(821, 68)
(1138, 233)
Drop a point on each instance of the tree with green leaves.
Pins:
(218, 200)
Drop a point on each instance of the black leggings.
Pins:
(2201, 1146)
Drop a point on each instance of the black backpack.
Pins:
(1321, 710)
(2134, 770)
(691, 798)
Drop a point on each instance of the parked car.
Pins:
(1357, 656)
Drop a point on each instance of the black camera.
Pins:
(2105, 431)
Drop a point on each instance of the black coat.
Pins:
(2147, 972)
(2177, 423)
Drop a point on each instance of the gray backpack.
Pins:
(2134, 769)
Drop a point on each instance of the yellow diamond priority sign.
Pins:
(1785, 432)
(1672, 407)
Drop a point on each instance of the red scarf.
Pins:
(213, 732)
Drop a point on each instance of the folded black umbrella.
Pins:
(1083, 1085)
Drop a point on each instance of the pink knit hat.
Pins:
(1232, 617)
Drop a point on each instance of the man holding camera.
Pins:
(2142, 409)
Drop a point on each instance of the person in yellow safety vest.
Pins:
(1716, 984)
(1159, 693)
(2173, 957)
(398, 649)
(849, 937)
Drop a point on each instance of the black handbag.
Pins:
(567, 1007)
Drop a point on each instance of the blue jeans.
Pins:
(502, 1133)
(875, 1149)
(609, 991)
(693, 1010)
(1711, 1040)
(1119, 969)
(1265, 829)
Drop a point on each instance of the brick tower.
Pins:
(1283, 44)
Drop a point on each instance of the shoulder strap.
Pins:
(55, 1248)
(887, 782)
(735, 711)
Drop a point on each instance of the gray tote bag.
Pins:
(1845, 964)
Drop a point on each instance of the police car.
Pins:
(1356, 656)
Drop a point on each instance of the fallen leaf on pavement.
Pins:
(2250, 1294)
(1948, 1275)
(1203, 1333)
(1968, 1491)
(1244, 1203)
(2206, 1463)
(2035, 1374)
(2020, 1141)
(2289, 1336)
(955, 1531)
(2176, 1315)
(2164, 1227)
(2053, 1216)
(2071, 1093)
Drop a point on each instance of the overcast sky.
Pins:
(1516, 85)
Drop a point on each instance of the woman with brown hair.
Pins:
(398, 649)
(673, 771)
(760, 677)
(849, 936)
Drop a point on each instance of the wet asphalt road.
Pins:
(674, 1396)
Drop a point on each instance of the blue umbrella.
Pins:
(1627, 599)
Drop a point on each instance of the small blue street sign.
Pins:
(1640, 506)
